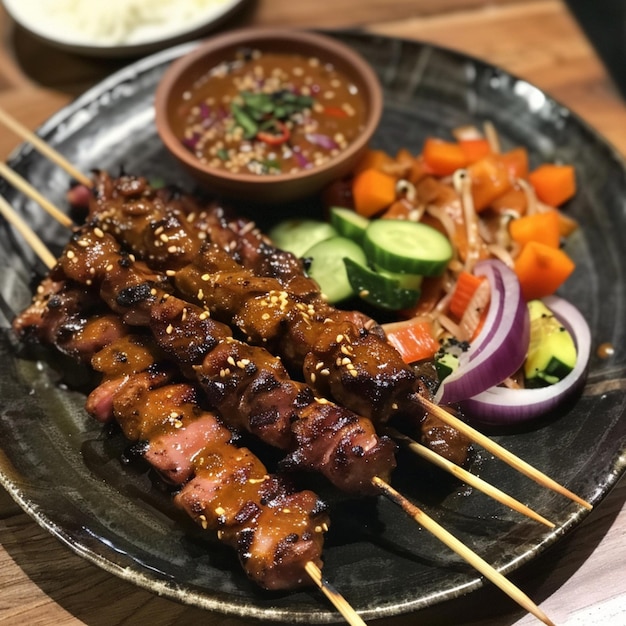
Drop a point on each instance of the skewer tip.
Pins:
(338, 601)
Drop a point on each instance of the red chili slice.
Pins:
(275, 139)
(335, 112)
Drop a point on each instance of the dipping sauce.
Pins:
(270, 113)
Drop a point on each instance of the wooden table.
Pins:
(583, 579)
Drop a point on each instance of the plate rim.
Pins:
(172, 591)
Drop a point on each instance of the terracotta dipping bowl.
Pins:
(187, 72)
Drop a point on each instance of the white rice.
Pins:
(115, 22)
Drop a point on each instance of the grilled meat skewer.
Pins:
(275, 530)
(248, 386)
(361, 371)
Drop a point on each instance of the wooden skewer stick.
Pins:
(496, 449)
(20, 183)
(339, 602)
(21, 131)
(467, 477)
(16, 220)
(462, 550)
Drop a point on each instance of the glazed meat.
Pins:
(227, 265)
(249, 387)
(275, 530)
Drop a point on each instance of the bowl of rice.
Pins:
(118, 28)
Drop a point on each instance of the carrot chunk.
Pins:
(553, 184)
(475, 149)
(375, 159)
(443, 157)
(512, 200)
(541, 269)
(490, 178)
(516, 161)
(372, 191)
(541, 227)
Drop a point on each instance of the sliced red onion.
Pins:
(205, 110)
(191, 142)
(501, 405)
(323, 141)
(300, 159)
(501, 346)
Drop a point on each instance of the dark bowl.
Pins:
(183, 74)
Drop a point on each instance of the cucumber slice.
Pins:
(348, 223)
(408, 247)
(551, 351)
(378, 289)
(328, 269)
(407, 281)
(446, 364)
(298, 235)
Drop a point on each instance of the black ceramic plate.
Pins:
(62, 468)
